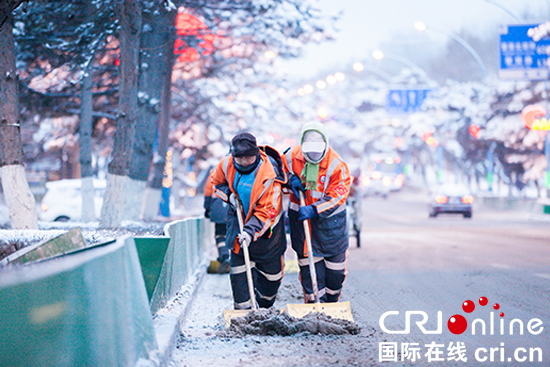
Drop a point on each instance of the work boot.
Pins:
(213, 267)
(224, 266)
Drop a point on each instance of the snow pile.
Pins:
(273, 322)
(13, 240)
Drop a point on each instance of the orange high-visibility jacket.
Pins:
(329, 233)
(333, 184)
(266, 199)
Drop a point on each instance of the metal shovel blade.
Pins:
(339, 310)
(228, 315)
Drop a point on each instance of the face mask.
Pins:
(313, 157)
(245, 170)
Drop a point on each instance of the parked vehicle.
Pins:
(451, 199)
(63, 200)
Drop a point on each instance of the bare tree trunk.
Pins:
(113, 211)
(19, 199)
(86, 172)
(152, 64)
(153, 191)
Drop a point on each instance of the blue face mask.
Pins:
(245, 170)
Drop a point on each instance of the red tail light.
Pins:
(441, 199)
(468, 199)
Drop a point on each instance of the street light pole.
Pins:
(360, 67)
(505, 9)
(422, 27)
(379, 55)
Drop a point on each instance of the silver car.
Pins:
(451, 199)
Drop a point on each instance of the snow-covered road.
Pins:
(200, 346)
(407, 262)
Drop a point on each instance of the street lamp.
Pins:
(420, 26)
(308, 88)
(320, 84)
(379, 55)
(331, 80)
(358, 67)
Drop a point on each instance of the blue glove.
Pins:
(307, 212)
(296, 185)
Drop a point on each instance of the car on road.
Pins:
(451, 199)
(63, 200)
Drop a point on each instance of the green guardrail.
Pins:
(88, 308)
(65, 304)
(184, 255)
(151, 252)
(63, 244)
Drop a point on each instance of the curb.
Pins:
(167, 321)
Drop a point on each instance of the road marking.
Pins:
(501, 266)
(543, 275)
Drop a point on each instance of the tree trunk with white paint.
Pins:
(19, 199)
(114, 209)
(88, 201)
(115, 198)
(18, 196)
(150, 204)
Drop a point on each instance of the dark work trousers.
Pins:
(220, 230)
(267, 276)
(331, 272)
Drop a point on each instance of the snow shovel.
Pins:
(339, 310)
(231, 314)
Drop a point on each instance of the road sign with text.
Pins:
(520, 56)
(406, 100)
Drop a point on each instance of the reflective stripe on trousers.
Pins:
(331, 272)
(267, 278)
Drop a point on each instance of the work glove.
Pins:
(296, 185)
(307, 212)
(245, 236)
(233, 200)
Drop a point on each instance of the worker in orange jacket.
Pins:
(321, 174)
(255, 177)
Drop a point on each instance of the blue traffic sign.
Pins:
(520, 56)
(406, 100)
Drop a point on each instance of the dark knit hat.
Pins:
(244, 144)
